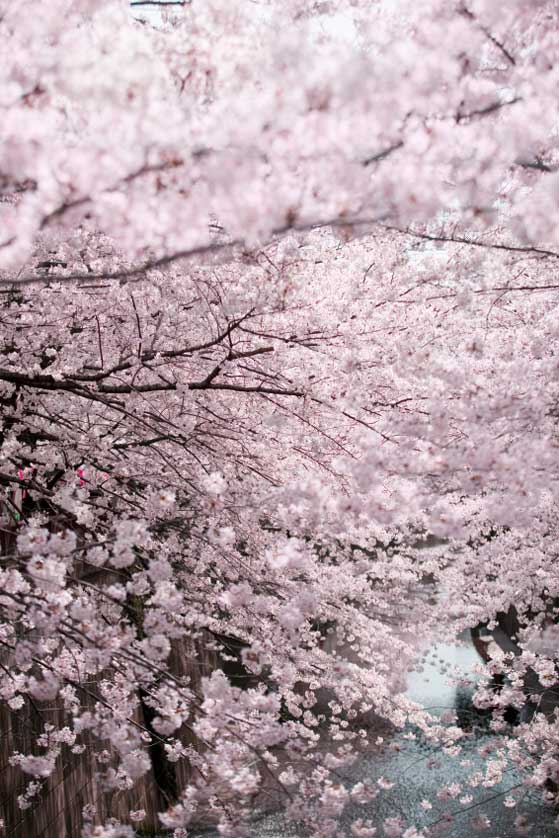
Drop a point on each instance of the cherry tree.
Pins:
(278, 304)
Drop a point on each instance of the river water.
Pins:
(419, 772)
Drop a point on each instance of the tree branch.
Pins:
(199, 250)
(473, 242)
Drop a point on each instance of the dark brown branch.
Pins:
(494, 106)
(150, 354)
(200, 250)
(143, 443)
(249, 353)
(138, 324)
(79, 202)
(205, 383)
(470, 15)
(381, 155)
(538, 251)
(501, 47)
(198, 385)
(47, 382)
(257, 388)
(159, 2)
(536, 164)
(6, 479)
(100, 341)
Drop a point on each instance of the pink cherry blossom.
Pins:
(279, 398)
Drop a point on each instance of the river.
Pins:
(419, 772)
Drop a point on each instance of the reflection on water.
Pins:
(432, 682)
(420, 772)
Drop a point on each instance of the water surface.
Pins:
(419, 771)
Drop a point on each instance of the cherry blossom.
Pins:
(278, 384)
